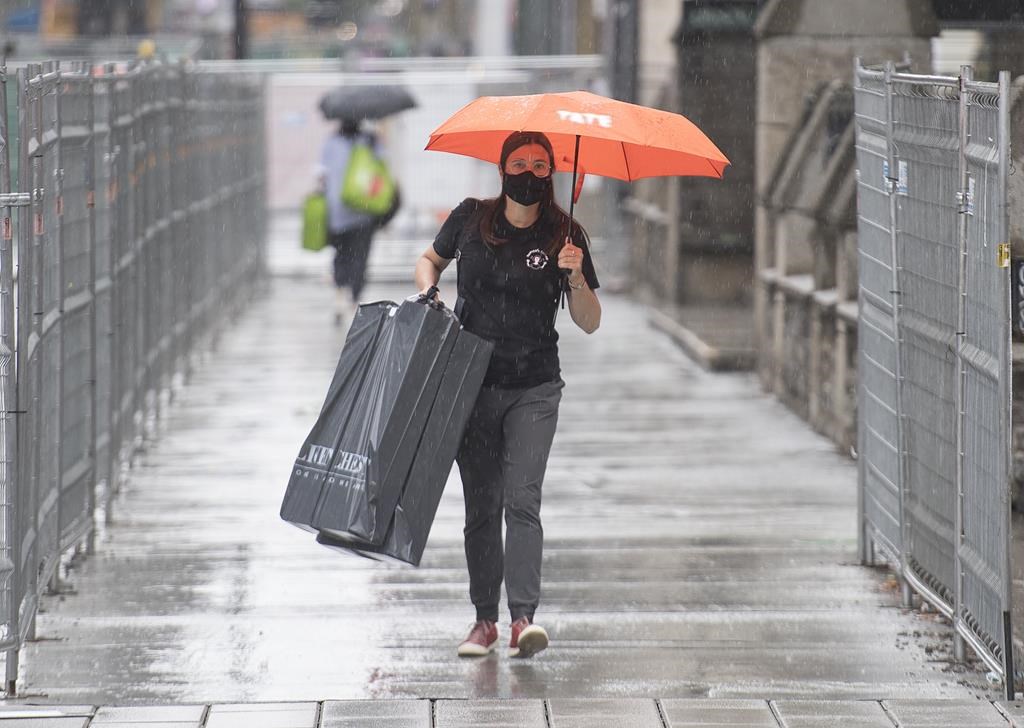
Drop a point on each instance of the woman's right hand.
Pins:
(436, 298)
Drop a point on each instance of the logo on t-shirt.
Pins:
(536, 259)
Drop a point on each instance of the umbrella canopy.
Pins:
(365, 102)
(601, 135)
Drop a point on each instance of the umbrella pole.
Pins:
(572, 191)
(572, 210)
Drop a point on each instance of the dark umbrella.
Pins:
(365, 102)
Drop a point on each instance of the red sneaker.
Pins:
(481, 640)
(527, 639)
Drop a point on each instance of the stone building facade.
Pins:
(804, 189)
(696, 234)
(716, 84)
(775, 240)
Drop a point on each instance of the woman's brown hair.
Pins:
(551, 214)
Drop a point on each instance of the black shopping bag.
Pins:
(351, 469)
(414, 514)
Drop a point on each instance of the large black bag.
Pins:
(414, 514)
(351, 470)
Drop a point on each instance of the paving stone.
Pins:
(594, 713)
(149, 714)
(263, 715)
(708, 713)
(945, 714)
(375, 714)
(560, 713)
(490, 713)
(832, 714)
(20, 710)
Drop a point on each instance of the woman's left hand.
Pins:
(571, 259)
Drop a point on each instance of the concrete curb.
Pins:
(710, 357)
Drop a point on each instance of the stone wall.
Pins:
(808, 322)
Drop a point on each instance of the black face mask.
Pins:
(526, 188)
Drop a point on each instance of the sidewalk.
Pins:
(555, 713)
(700, 543)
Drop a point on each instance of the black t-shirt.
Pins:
(510, 292)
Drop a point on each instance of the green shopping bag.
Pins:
(314, 222)
(368, 186)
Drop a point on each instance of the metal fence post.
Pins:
(864, 549)
(30, 321)
(33, 319)
(26, 424)
(58, 232)
(8, 393)
(141, 191)
(118, 191)
(906, 594)
(959, 652)
(137, 314)
(90, 193)
(102, 275)
(1006, 359)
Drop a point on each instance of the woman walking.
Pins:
(511, 252)
(350, 232)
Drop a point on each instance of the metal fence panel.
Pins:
(984, 550)
(178, 234)
(77, 307)
(946, 160)
(878, 363)
(24, 497)
(926, 133)
(131, 182)
(163, 254)
(144, 144)
(124, 300)
(44, 160)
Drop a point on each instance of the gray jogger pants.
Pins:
(502, 460)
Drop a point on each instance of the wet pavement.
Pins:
(700, 543)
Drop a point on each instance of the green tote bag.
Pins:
(369, 186)
(314, 222)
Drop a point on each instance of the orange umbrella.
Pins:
(613, 138)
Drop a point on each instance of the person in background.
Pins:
(350, 233)
(516, 256)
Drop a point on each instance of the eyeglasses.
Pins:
(539, 167)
